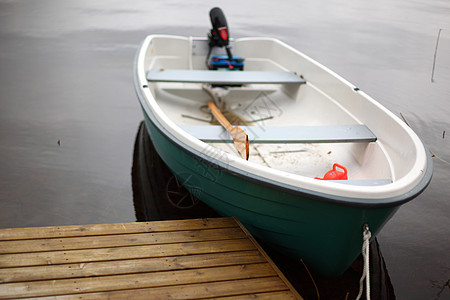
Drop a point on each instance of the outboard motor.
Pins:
(219, 36)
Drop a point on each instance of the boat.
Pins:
(322, 159)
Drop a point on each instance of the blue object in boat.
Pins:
(223, 62)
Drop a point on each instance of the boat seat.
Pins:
(364, 182)
(224, 77)
(285, 134)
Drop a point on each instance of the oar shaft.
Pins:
(219, 116)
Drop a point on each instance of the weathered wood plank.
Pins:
(259, 288)
(283, 295)
(118, 253)
(134, 281)
(118, 240)
(23, 274)
(190, 259)
(274, 266)
(116, 228)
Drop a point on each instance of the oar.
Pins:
(239, 136)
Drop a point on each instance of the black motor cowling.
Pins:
(219, 35)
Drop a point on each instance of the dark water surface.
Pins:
(69, 115)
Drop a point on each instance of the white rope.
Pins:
(365, 254)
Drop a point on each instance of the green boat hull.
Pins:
(322, 224)
(326, 236)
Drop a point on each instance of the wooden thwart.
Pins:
(186, 259)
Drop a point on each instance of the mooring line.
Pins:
(366, 271)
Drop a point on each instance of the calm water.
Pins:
(69, 115)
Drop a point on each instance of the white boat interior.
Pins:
(301, 118)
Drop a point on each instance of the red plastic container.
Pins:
(335, 174)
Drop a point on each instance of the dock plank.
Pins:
(119, 253)
(115, 228)
(260, 288)
(129, 266)
(135, 281)
(187, 259)
(103, 241)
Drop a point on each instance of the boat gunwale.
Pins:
(369, 202)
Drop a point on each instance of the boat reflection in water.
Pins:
(157, 195)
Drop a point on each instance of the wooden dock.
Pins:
(187, 259)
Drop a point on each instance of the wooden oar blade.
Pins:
(240, 139)
(239, 136)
